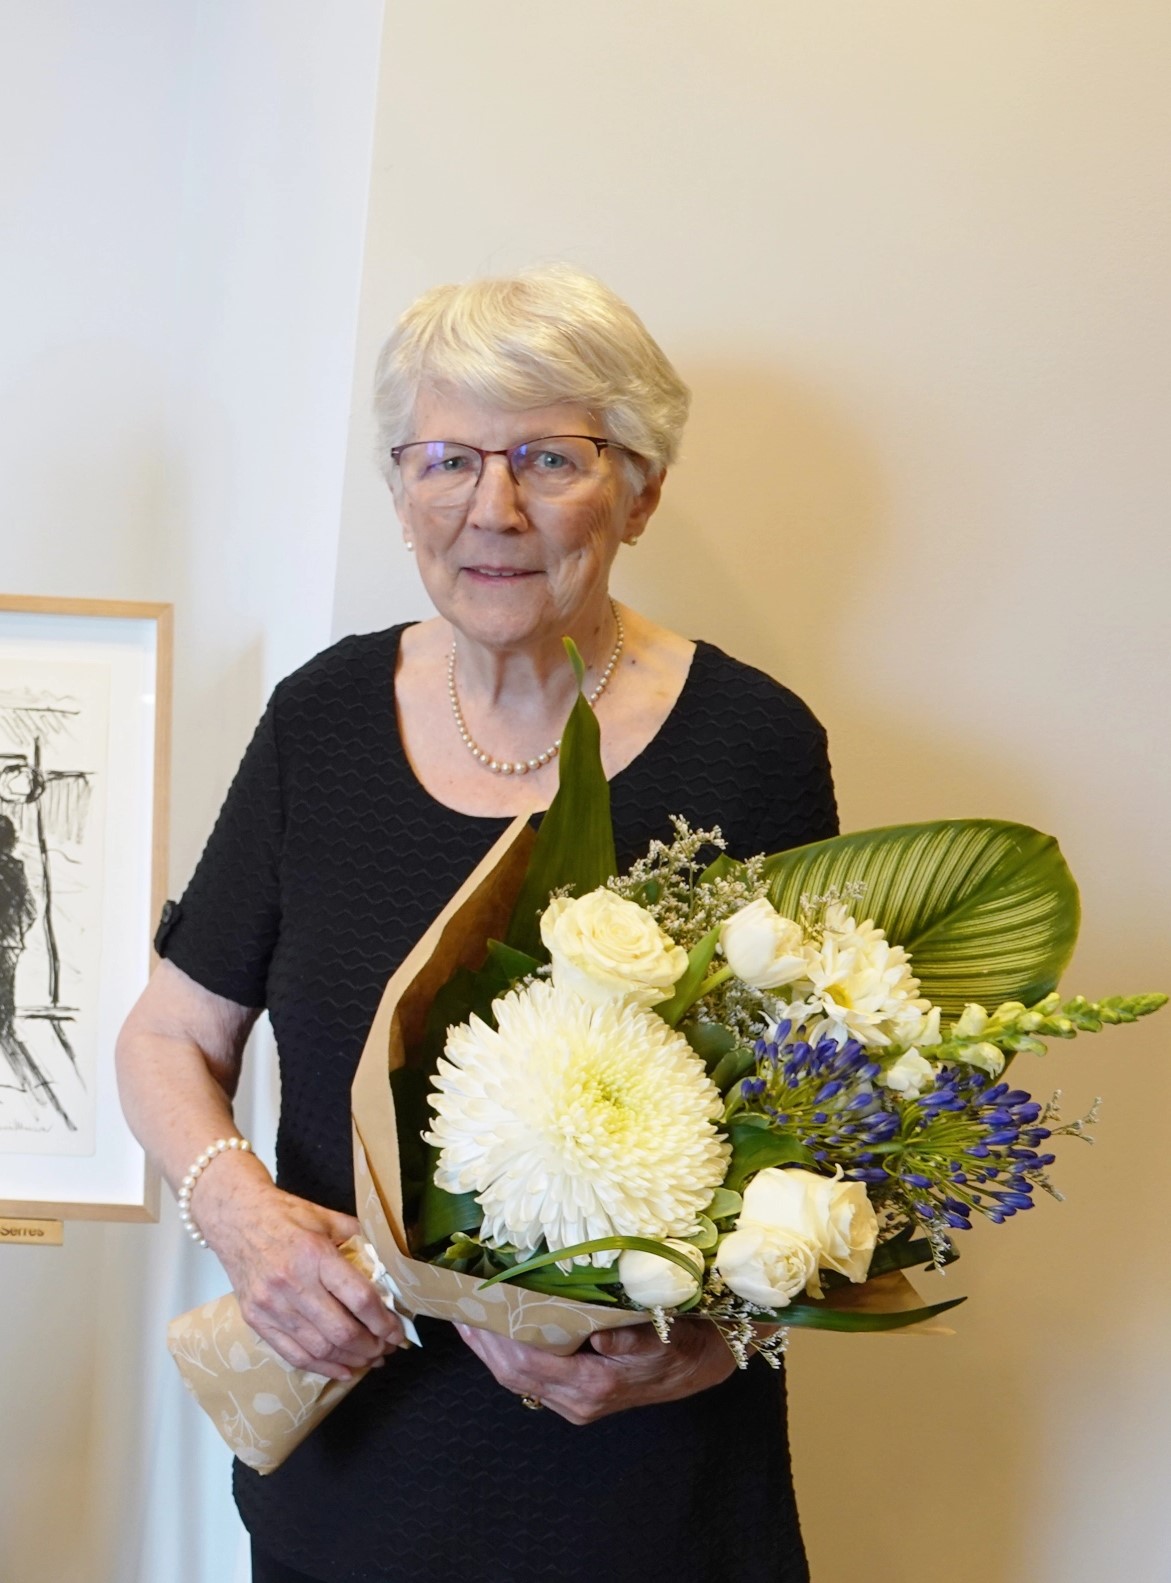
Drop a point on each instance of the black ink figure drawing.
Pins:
(40, 810)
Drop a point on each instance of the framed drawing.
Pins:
(85, 702)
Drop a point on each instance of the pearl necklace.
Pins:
(523, 766)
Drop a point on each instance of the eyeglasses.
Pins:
(557, 465)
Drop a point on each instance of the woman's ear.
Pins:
(643, 506)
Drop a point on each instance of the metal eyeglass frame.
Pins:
(510, 451)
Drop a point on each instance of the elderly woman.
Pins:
(527, 426)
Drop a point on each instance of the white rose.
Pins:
(853, 1231)
(654, 1282)
(762, 948)
(766, 1266)
(604, 947)
(987, 1057)
(835, 1217)
(909, 1075)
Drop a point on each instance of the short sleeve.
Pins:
(224, 930)
(799, 805)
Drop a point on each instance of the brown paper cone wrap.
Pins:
(262, 1406)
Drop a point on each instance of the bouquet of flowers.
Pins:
(757, 1091)
(754, 1091)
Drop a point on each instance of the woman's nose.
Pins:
(495, 501)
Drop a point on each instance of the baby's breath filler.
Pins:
(689, 885)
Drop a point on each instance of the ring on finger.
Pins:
(533, 1403)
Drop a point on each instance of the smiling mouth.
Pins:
(500, 573)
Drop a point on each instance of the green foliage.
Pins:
(597, 1245)
(471, 993)
(754, 1147)
(987, 910)
(408, 1087)
(819, 1316)
(710, 1041)
(732, 1067)
(686, 991)
(574, 848)
(724, 1204)
(442, 1213)
(907, 1251)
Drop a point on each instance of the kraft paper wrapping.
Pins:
(262, 1406)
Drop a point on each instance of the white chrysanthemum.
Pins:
(863, 983)
(570, 1122)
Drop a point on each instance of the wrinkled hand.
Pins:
(295, 1289)
(618, 1369)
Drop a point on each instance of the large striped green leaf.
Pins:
(987, 910)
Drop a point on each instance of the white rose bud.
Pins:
(762, 948)
(986, 1056)
(604, 948)
(766, 1266)
(909, 1075)
(654, 1282)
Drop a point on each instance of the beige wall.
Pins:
(164, 435)
(914, 260)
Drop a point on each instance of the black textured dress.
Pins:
(327, 863)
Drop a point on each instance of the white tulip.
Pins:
(763, 949)
(654, 1282)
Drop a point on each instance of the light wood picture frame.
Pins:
(85, 748)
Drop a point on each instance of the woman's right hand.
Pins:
(295, 1289)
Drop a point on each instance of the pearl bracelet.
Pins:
(187, 1185)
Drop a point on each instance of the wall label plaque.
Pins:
(31, 1233)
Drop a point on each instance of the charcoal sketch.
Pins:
(53, 761)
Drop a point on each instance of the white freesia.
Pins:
(766, 1266)
(909, 1075)
(571, 1122)
(651, 1281)
(834, 1216)
(604, 947)
(763, 949)
(987, 1057)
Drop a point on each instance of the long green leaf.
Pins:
(988, 910)
(687, 989)
(815, 1316)
(575, 843)
(597, 1245)
(904, 1252)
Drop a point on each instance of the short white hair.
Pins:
(548, 335)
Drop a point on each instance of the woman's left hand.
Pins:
(629, 1367)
